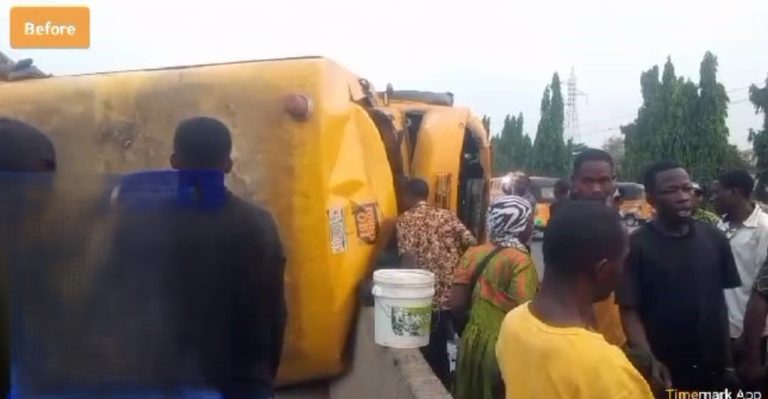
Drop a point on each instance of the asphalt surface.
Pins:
(538, 258)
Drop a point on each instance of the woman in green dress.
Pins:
(489, 281)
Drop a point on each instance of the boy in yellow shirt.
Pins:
(546, 348)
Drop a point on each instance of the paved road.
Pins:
(538, 258)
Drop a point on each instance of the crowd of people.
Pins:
(188, 297)
(678, 305)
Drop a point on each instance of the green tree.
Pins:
(759, 139)
(550, 155)
(615, 146)
(711, 158)
(682, 121)
(521, 153)
(639, 140)
(511, 148)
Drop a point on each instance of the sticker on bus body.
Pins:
(337, 231)
(367, 222)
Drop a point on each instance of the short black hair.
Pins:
(591, 154)
(417, 188)
(24, 148)
(649, 177)
(569, 247)
(738, 180)
(562, 185)
(202, 142)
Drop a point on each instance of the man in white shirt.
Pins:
(746, 227)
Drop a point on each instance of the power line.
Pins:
(601, 131)
(737, 89)
(627, 118)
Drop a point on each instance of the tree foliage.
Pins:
(615, 146)
(511, 147)
(682, 121)
(551, 156)
(759, 139)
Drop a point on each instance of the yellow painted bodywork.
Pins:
(124, 121)
(436, 157)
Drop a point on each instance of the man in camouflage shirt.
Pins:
(433, 239)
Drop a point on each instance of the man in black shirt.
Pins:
(671, 294)
(24, 150)
(193, 287)
(250, 251)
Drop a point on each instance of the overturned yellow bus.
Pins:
(312, 141)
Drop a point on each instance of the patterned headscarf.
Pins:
(508, 216)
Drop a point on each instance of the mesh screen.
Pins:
(116, 287)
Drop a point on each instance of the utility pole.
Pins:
(572, 112)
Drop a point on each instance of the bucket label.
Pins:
(338, 235)
(367, 221)
(411, 322)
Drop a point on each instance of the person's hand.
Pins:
(751, 374)
(654, 372)
(731, 379)
(661, 373)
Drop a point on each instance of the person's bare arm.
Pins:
(465, 237)
(629, 296)
(459, 299)
(749, 367)
(636, 337)
(634, 329)
(459, 303)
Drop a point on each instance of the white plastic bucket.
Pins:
(403, 303)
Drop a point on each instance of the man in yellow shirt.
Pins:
(546, 348)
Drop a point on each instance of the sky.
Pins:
(495, 56)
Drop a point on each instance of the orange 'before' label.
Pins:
(50, 27)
